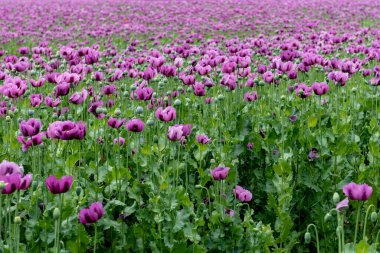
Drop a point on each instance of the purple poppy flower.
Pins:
(220, 173)
(8, 168)
(342, 205)
(25, 182)
(58, 186)
(302, 90)
(119, 141)
(320, 88)
(175, 132)
(251, 96)
(66, 130)
(166, 115)
(242, 194)
(115, 123)
(313, 154)
(135, 125)
(203, 139)
(62, 89)
(78, 98)
(30, 127)
(52, 103)
(250, 146)
(36, 99)
(293, 118)
(108, 89)
(98, 76)
(92, 214)
(268, 77)
(357, 191)
(199, 89)
(12, 182)
(229, 212)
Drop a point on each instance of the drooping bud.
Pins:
(307, 237)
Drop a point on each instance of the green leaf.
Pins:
(312, 122)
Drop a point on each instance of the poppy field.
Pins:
(189, 126)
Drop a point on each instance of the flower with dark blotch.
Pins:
(203, 139)
(220, 173)
(36, 99)
(293, 118)
(342, 205)
(242, 194)
(66, 130)
(108, 89)
(78, 98)
(92, 214)
(302, 90)
(166, 115)
(199, 89)
(250, 146)
(12, 182)
(8, 168)
(320, 88)
(58, 186)
(229, 212)
(313, 154)
(30, 127)
(25, 182)
(357, 191)
(135, 125)
(119, 141)
(250, 96)
(268, 77)
(175, 132)
(115, 123)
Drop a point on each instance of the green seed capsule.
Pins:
(177, 102)
(56, 213)
(150, 122)
(17, 220)
(327, 217)
(307, 237)
(373, 217)
(139, 110)
(336, 198)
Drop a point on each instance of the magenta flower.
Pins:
(66, 130)
(250, 146)
(52, 103)
(166, 115)
(13, 87)
(58, 186)
(220, 173)
(92, 214)
(302, 90)
(62, 89)
(38, 83)
(135, 125)
(203, 139)
(320, 88)
(108, 89)
(268, 77)
(250, 96)
(242, 194)
(175, 132)
(30, 127)
(115, 123)
(119, 141)
(199, 89)
(78, 98)
(25, 182)
(357, 191)
(8, 168)
(342, 205)
(12, 182)
(229, 212)
(36, 99)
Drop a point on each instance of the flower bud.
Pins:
(117, 112)
(336, 198)
(99, 110)
(307, 237)
(125, 94)
(31, 112)
(150, 122)
(373, 217)
(133, 88)
(17, 220)
(78, 190)
(177, 102)
(139, 110)
(8, 118)
(327, 217)
(56, 213)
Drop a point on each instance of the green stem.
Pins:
(365, 221)
(357, 223)
(316, 234)
(95, 237)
